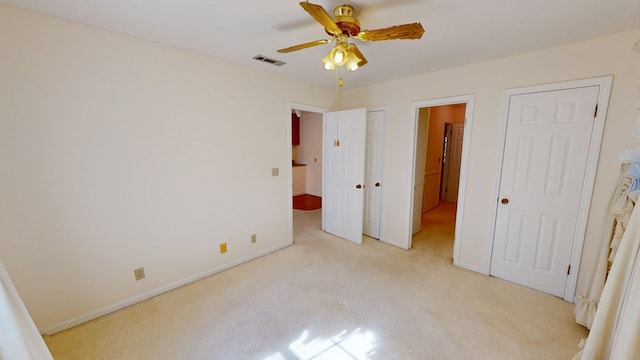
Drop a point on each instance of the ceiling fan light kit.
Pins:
(339, 53)
(345, 25)
(342, 54)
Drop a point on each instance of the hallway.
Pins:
(438, 226)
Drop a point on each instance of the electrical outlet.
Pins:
(139, 273)
(275, 171)
(253, 238)
(223, 248)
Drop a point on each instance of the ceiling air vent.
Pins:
(269, 60)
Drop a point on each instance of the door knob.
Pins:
(504, 201)
(377, 184)
(358, 186)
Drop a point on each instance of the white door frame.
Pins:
(590, 173)
(295, 106)
(469, 101)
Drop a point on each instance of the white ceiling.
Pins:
(457, 31)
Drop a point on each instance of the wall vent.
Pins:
(269, 60)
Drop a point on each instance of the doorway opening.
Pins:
(306, 159)
(313, 181)
(440, 153)
(306, 165)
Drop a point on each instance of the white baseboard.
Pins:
(148, 295)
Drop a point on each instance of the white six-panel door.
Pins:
(545, 157)
(344, 175)
(373, 177)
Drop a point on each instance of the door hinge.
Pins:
(595, 112)
(569, 270)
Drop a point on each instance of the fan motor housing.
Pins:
(343, 16)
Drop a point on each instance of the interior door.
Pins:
(455, 161)
(545, 157)
(419, 169)
(344, 156)
(373, 177)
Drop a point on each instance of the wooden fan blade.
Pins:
(355, 49)
(321, 16)
(405, 31)
(303, 46)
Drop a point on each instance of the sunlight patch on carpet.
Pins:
(358, 344)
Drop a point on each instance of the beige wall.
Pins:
(310, 150)
(118, 153)
(433, 159)
(611, 55)
(458, 113)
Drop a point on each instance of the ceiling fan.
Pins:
(343, 26)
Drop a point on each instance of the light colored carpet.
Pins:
(325, 298)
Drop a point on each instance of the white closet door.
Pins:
(373, 180)
(344, 175)
(544, 162)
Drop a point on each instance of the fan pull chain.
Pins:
(336, 142)
(339, 81)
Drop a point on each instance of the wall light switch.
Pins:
(275, 172)
(223, 248)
